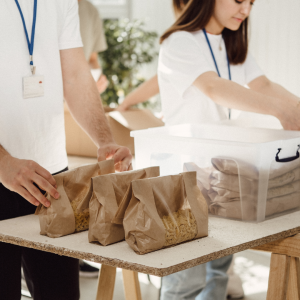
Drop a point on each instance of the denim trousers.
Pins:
(204, 282)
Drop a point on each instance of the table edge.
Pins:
(160, 272)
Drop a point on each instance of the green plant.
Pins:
(129, 46)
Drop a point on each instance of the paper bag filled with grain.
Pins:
(164, 211)
(62, 218)
(105, 195)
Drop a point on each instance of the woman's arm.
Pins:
(145, 91)
(266, 87)
(233, 95)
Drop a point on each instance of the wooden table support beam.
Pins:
(106, 283)
(293, 292)
(131, 285)
(289, 246)
(279, 277)
(284, 279)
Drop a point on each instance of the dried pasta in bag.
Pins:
(62, 217)
(81, 219)
(180, 226)
(104, 197)
(163, 211)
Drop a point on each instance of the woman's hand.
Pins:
(287, 104)
(289, 116)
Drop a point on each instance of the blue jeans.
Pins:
(204, 282)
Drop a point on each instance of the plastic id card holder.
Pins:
(33, 86)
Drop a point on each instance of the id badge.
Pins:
(33, 86)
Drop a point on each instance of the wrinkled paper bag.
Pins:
(61, 218)
(103, 199)
(164, 211)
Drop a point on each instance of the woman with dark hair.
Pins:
(204, 68)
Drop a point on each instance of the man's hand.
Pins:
(121, 155)
(19, 175)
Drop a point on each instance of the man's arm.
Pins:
(85, 105)
(18, 175)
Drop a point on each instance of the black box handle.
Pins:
(288, 159)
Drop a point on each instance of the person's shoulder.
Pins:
(180, 39)
(181, 35)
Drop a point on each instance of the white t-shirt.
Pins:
(34, 128)
(183, 57)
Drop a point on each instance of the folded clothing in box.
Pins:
(221, 184)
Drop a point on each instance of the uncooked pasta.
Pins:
(180, 226)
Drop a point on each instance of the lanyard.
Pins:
(212, 54)
(30, 43)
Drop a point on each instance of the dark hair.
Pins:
(178, 5)
(196, 15)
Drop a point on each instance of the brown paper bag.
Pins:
(105, 195)
(164, 211)
(61, 218)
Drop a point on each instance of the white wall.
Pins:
(158, 16)
(275, 40)
(113, 9)
(159, 13)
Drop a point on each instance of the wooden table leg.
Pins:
(293, 292)
(106, 283)
(279, 277)
(131, 285)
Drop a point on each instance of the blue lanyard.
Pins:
(212, 54)
(30, 43)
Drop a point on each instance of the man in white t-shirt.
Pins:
(32, 137)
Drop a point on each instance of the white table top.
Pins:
(225, 237)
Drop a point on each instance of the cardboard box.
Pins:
(121, 123)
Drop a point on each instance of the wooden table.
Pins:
(284, 278)
(225, 237)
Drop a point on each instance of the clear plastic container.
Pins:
(239, 170)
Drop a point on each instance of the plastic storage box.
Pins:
(241, 171)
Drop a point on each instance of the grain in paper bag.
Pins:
(62, 218)
(104, 197)
(163, 211)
